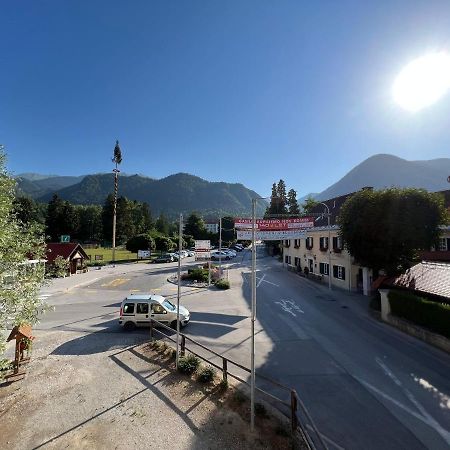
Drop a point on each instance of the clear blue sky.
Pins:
(239, 91)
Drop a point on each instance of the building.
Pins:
(212, 227)
(71, 252)
(323, 246)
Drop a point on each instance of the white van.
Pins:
(137, 310)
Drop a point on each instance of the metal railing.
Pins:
(294, 404)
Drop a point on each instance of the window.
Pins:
(323, 268)
(309, 243)
(323, 242)
(297, 262)
(287, 259)
(443, 247)
(297, 243)
(337, 243)
(339, 272)
(128, 308)
(287, 243)
(142, 308)
(157, 309)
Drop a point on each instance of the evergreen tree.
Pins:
(292, 202)
(162, 224)
(282, 197)
(195, 226)
(61, 219)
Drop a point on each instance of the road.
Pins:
(365, 384)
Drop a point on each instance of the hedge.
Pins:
(432, 315)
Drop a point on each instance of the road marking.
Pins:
(265, 281)
(116, 282)
(288, 306)
(135, 290)
(430, 420)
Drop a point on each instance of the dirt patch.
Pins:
(129, 396)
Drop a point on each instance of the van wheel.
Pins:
(129, 326)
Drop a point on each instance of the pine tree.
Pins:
(292, 202)
(282, 198)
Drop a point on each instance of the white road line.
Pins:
(430, 420)
(261, 280)
(289, 306)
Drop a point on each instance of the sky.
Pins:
(237, 91)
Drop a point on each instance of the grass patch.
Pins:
(121, 254)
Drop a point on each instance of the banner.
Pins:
(275, 224)
(271, 235)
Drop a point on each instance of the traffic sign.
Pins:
(65, 238)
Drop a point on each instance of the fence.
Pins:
(294, 404)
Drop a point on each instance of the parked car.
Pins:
(167, 257)
(183, 254)
(232, 253)
(137, 310)
(191, 253)
(237, 247)
(216, 256)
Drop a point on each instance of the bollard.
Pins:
(183, 345)
(151, 329)
(293, 410)
(225, 369)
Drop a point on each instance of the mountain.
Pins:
(380, 171)
(179, 193)
(37, 185)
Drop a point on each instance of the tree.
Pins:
(90, 223)
(19, 282)
(162, 224)
(27, 210)
(309, 204)
(278, 200)
(140, 242)
(195, 226)
(282, 198)
(61, 218)
(125, 227)
(164, 243)
(292, 203)
(385, 229)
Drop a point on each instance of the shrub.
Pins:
(188, 364)
(239, 397)
(432, 315)
(223, 284)
(96, 263)
(197, 274)
(223, 385)
(207, 374)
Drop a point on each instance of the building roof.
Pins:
(432, 278)
(64, 249)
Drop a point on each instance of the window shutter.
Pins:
(334, 242)
(343, 273)
(448, 244)
(335, 271)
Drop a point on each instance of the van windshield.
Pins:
(168, 305)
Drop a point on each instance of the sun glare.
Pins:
(423, 81)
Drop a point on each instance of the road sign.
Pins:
(65, 238)
(144, 253)
(202, 249)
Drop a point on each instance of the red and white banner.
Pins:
(271, 235)
(275, 224)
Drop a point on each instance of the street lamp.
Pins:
(329, 244)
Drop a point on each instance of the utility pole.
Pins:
(180, 243)
(117, 159)
(252, 373)
(220, 247)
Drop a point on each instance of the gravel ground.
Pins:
(78, 396)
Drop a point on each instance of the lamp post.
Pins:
(329, 244)
(220, 247)
(253, 319)
(180, 243)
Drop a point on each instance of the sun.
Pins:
(423, 81)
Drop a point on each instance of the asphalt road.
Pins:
(365, 384)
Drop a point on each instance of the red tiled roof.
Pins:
(65, 250)
(427, 277)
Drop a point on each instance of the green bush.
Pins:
(94, 263)
(223, 284)
(207, 374)
(197, 274)
(432, 315)
(188, 364)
